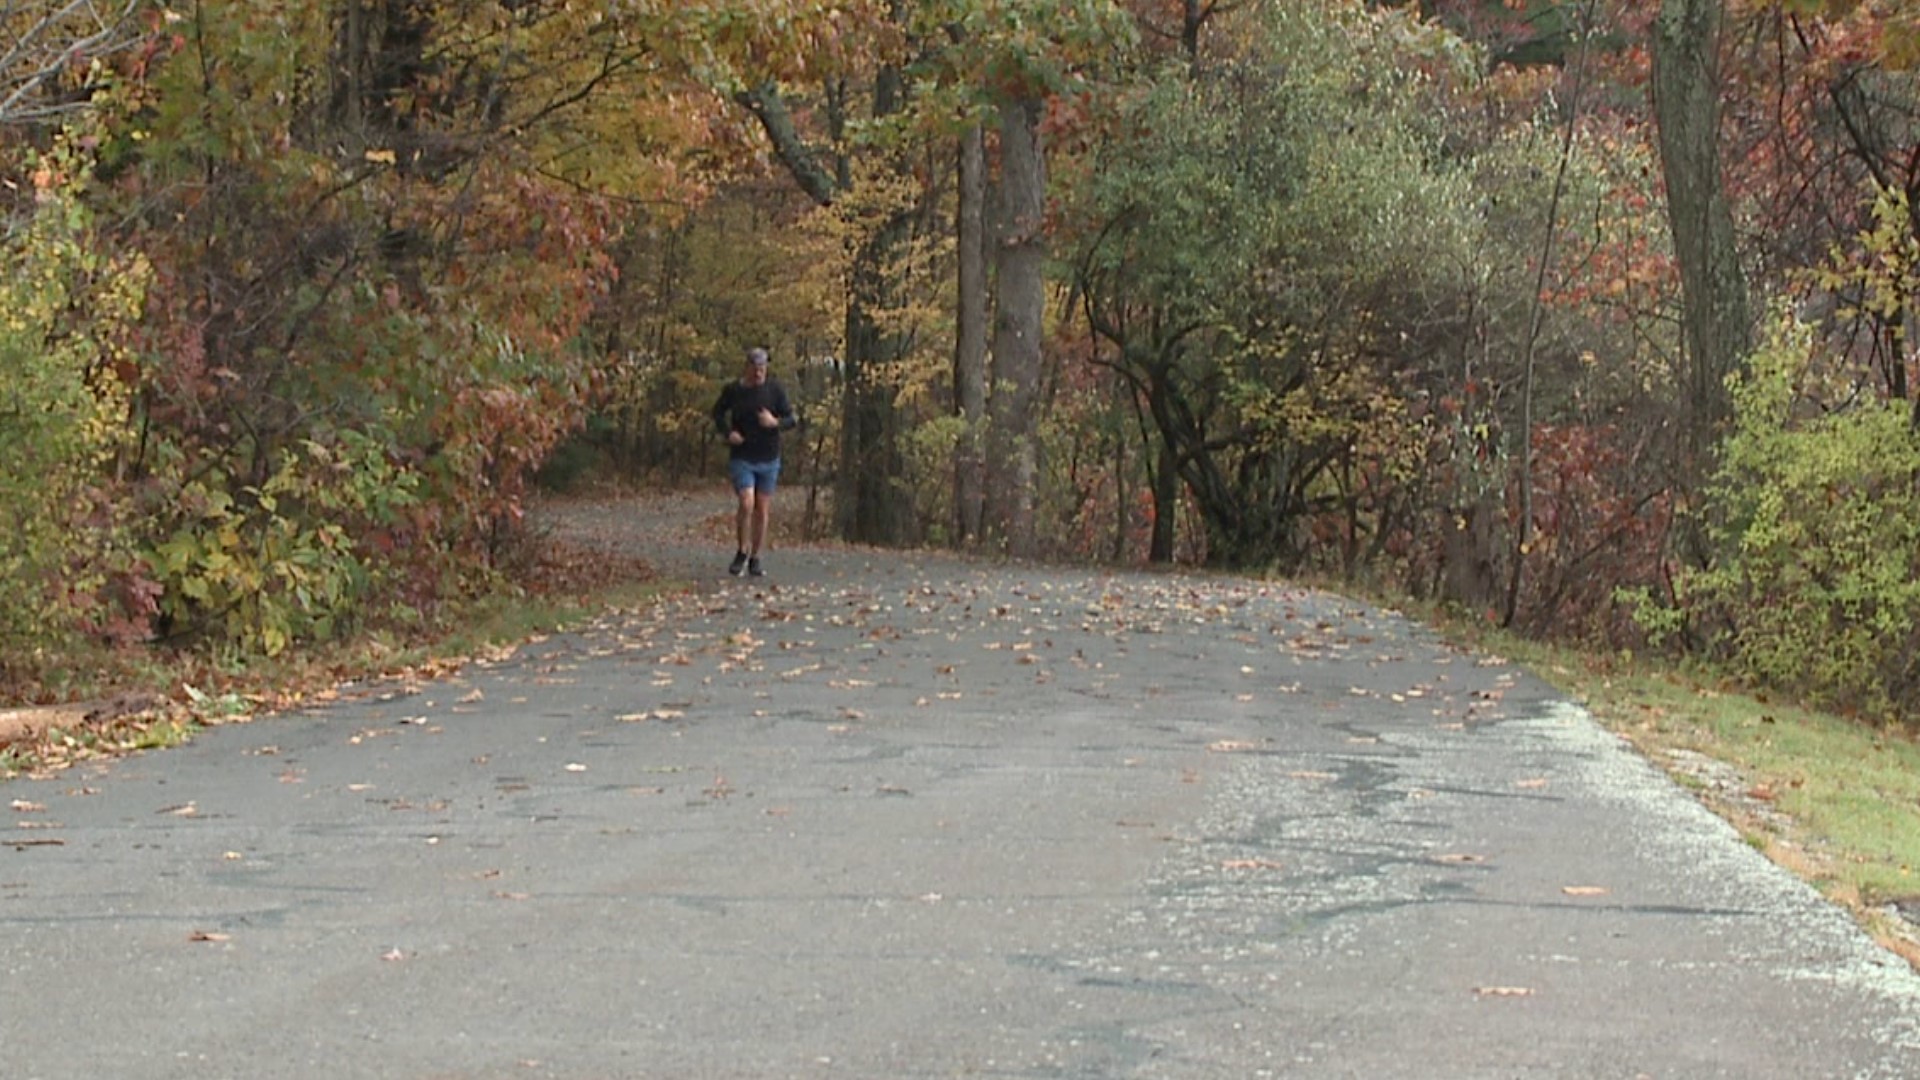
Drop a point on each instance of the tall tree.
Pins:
(1020, 304)
(1716, 318)
(970, 335)
(1247, 237)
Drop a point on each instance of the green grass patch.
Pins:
(1851, 790)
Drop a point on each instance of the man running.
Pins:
(751, 413)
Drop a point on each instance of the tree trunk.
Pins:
(871, 502)
(1686, 105)
(1019, 259)
(1166, 504)
(970, 340)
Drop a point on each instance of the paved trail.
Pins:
(890, 817)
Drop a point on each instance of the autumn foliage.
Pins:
(308, 297)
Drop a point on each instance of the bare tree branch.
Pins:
(36, 48)
(768, 107)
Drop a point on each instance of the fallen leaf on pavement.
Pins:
(1231, 746)
(1249, 864)
(393, 954)
(1503, 991)
(208, 935)
(1584, 890)
(25, 807)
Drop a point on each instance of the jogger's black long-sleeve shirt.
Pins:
(739, 410)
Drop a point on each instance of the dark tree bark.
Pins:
(1716, 319)
(1020, 288)
(1166, 504)
(970, 340)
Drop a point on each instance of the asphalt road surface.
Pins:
(889, 817)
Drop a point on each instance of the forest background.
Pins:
(1588, 320)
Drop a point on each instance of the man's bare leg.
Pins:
(762, 510)
(743, 520)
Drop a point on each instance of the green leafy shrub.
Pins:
(64, 307)
(1816, 521)
(280, 563)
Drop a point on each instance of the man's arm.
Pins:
(783, 409)
(723, 411)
